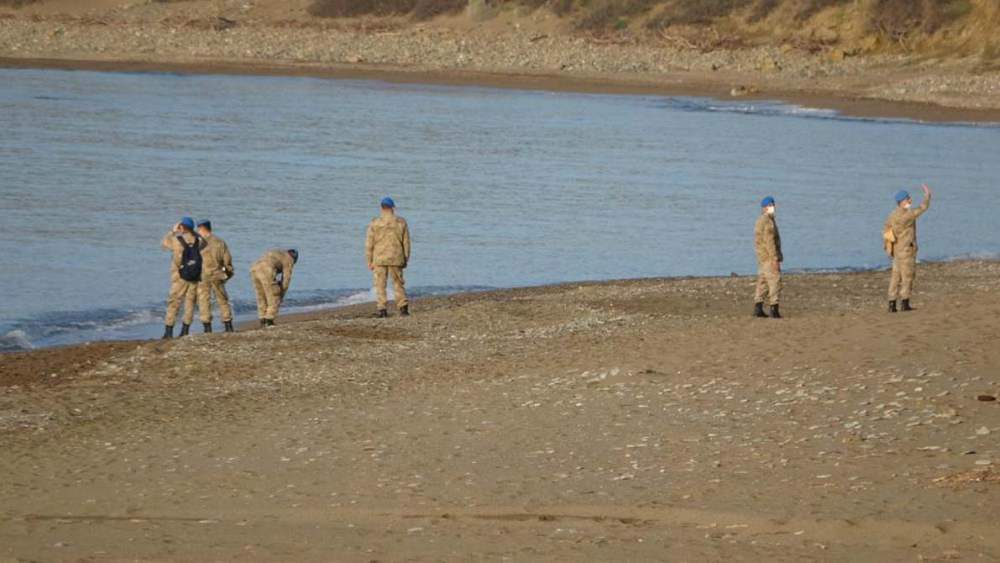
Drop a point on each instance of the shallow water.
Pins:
(501, 187)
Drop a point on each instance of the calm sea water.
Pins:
(501, 187)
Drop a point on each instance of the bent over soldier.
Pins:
(216, 269)
(900, 236)
(183, 279)
(270, 290)
(387, 251)
(767, 245)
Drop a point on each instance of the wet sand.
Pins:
(630, 420)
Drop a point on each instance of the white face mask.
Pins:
(770, 210)
(907, 205)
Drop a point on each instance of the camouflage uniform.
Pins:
(387, 248)
(264, 277)
(216, 269)
(903, 224)
(767, 244)
(181, 290)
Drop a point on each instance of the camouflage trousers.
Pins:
(904, 271)
(205, 291)
(268, 294)
(768, 283)
(380, 279)
(181, 292)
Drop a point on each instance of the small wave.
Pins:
(15, 340)
(71, 327)
(784, 109)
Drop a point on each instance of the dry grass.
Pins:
(15, 3)
(897, 18)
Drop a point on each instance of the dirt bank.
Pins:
(509, 49)
(641, 420)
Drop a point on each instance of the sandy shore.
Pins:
(849, 103)
(631, 420)
(530, 52)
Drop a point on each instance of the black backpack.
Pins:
(190, 269)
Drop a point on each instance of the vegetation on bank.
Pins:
(903, 23)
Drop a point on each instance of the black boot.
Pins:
(404, 310)
(185, 329)
(268, 322)
(892, 306)
(906, 305)
(208, 327)
(774, 312)
(262, 325)
(381, 314)
(229, 326)
(168, 333)
(758, 311)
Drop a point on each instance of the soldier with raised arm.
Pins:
(900, 237)
(185, 270)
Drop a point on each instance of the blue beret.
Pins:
(901, 195)
(387, 201)
(187, 222)
(767, 201)
(205, 223)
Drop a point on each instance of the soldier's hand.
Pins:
(777, 265)
(371, 266)
(927, 191)
(177, 227)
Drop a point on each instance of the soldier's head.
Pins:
(767, 205)
(903, 199)
(388, 205)
(294, 254)
(204, 227)
(186, 224)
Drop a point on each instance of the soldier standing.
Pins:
(767, 244)
(216, 269)
(270, 290)
(900, 235)
(185, 271)
(387, 251)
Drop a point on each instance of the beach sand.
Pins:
(643, 420)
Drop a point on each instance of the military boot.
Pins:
(905, 305)
(208, 327)
(268, 322)
(381, 314)
(758, 310)
(168, 332)
(185, 329)
(892, 306)
(404, 310)
(229, 326)
(262, 325)
(774, 312)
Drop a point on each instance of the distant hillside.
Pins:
(957, 27)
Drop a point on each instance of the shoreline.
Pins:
(676, 84)
(363, 311)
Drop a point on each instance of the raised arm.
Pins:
(924, 204)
